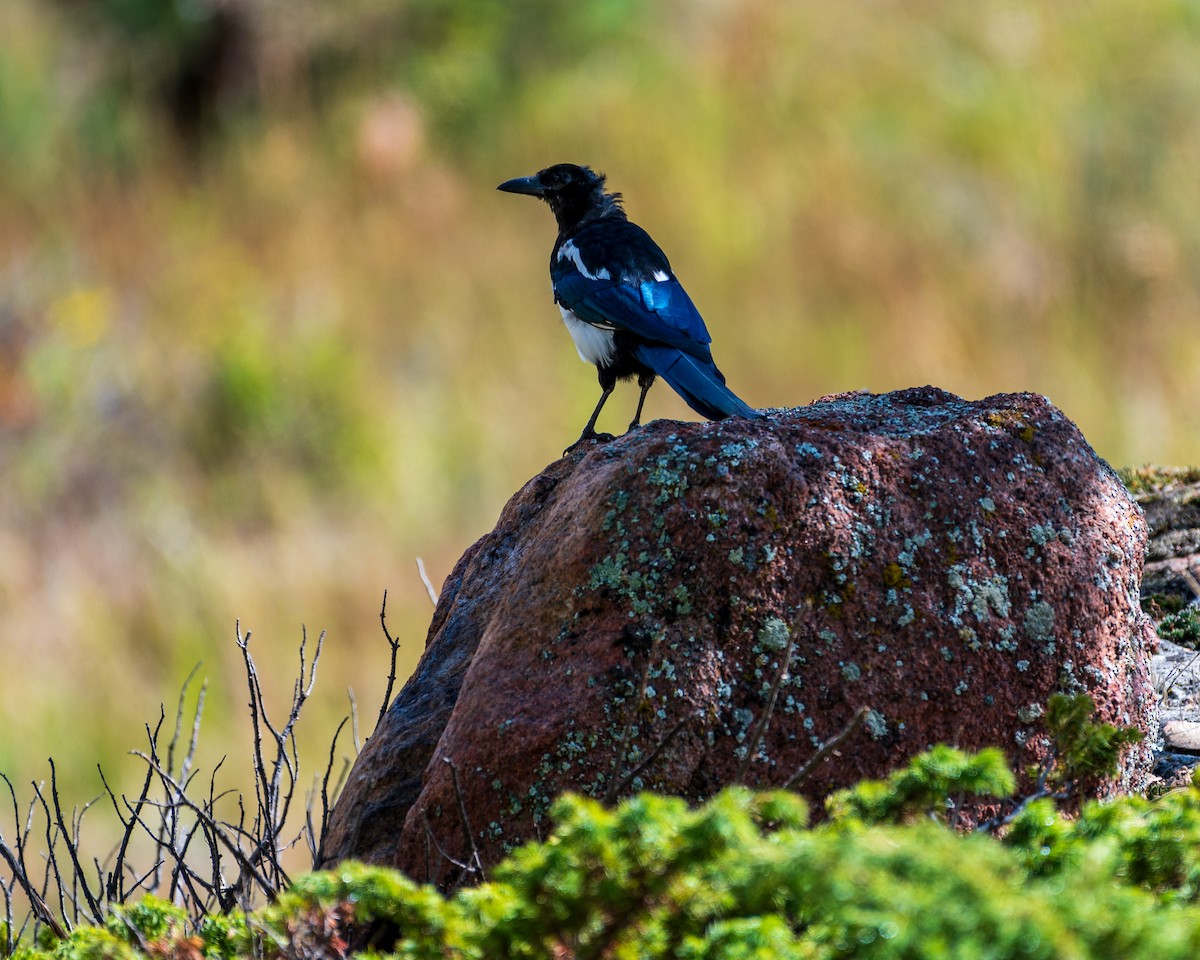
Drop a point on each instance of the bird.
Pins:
(621, 302)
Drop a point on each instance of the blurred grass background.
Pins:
(268, 333)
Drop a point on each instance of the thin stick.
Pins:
(40, 908)
(1039, 791)
(391, 678)
(768, 710)
(317, 838)
(69, 839)
(466, 823)
(827, 748)
(354, 720)
(429, 835)
(213, 827)
(632, 774)
(429, 588)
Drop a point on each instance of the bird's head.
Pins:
(574, 193)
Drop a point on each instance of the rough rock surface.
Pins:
(1172, 574)
(1170, 498)
(694, 604)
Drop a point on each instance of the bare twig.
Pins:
(431, 837)
(216, 829)
(1190, 579)
(16, 863)
(40, 908)
(768, 710)
(616, 790)
(1163, 687)
(1040, 791)
(798, 778)
(429, 588)
(315, 836)
(391, 678)
(619, 749)
(184, 835)
(468, 834)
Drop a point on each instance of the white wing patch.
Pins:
(593, 344)
(661, 276)
(568, 251)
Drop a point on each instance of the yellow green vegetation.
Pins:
(1149, 479)
(747, 876)
(885, 874)
(1013, 422)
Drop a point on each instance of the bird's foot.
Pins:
(587, 436)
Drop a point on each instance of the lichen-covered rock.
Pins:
(1170, 498)
(694, 604)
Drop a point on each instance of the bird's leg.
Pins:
(589, 432)
(645, 381)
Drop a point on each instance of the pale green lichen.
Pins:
(774, 634)
(1030, 712)
(1039, 623)
(876, 724)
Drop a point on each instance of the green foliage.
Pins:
(418, 912)
(933, 783)
(745, 877)
(927, 786)
(1182, 627)
(1151, 478)
(148, 919)
(156, 928)
(83, 943)
(1151, 845)
(288, 405)
(1084, 749)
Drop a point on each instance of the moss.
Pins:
(894, 577)
(1014, 422)
(1149, 479)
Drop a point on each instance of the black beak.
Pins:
(527, 185)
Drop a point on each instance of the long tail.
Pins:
(700, 383)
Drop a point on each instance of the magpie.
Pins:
(620, 300)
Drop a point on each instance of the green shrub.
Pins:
(745, 875)
(742, 876)
(1182, 627)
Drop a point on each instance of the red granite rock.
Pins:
(947, 564)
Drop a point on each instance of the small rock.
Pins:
(1182, 736)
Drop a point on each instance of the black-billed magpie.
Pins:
(620, 300)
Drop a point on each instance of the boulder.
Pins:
(1171, 501)
(698, 604)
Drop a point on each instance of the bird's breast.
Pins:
(594, 344)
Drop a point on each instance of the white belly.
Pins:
(593, 344)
